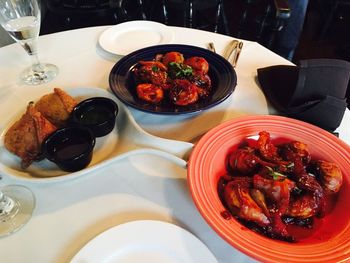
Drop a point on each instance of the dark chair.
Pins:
(207, 15)
(69, 14)
(258, 20)
(261, 20)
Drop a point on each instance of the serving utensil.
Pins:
(232, 50)
(237, 53)
(211, 47)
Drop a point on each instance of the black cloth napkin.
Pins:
(314, 91)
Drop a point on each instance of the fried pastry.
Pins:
(25, 136)
(56, 106)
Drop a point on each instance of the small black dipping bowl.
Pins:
(97, 114)
(70, 148)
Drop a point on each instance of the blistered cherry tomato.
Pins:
(150, 92)
(203, 84)
(199, 64)
(183, 92)
(173, 57)
(152, 72)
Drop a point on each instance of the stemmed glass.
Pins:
(21, 19)
(16, 207)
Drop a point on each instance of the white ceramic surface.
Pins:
(145, 241)
(126, 139)
(127, 37)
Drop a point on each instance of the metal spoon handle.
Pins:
(233, 50)
(230, 49)
(211, 47)
(237, 53)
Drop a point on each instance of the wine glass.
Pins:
(16, 206)
(21, 19)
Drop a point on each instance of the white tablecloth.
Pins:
(70, 213)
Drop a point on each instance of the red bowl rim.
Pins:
(248, 242)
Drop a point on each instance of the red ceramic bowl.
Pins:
(330, 242)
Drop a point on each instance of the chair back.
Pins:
(206, 15)
(81, 13)
(261, 20)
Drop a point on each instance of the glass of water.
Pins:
(16, 207)
(21, 19)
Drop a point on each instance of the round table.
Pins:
(70, 213)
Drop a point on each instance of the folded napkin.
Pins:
(314, 91)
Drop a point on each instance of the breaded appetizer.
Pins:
(56, 106)
(25, 136)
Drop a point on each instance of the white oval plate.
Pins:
(126, 139)
(124, 38)
(145, 241)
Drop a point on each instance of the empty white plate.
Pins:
(145, 241)
(124, 38)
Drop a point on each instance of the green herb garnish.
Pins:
(275, 174)
(178, 70)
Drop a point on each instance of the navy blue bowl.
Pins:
(70, 148)
(122, 81)
(97, 113)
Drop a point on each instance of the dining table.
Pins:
(71, 212)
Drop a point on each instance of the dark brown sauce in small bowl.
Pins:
(98, 114)
(70, 148)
